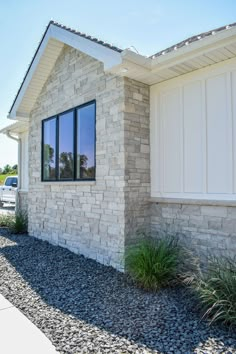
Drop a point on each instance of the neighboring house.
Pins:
(112, 142)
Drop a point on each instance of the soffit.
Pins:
(199, 54)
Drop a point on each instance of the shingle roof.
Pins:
(191, 40)
(84, 35)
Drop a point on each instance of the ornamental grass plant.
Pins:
(154, 263)
(216, 290)
(19, 224)
(6, 220)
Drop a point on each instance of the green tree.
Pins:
(6, 169)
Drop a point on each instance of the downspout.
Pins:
(19, 165)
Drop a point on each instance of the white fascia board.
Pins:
(106, 55)
(133, 61)
(188, 52)
(15, 128)
(136, 58)
(13, 112)
(201, 46)
(21, 116)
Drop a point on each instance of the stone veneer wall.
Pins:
(91, 218)
(22, 201)
(85, 217)
(137, 159)
(206, 229)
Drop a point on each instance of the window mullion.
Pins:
(57, 148)
(75, 144)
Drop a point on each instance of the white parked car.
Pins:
(8, 190)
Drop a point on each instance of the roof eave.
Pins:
(15, 128)
(197, 48)
(147, 70)
(102, 53)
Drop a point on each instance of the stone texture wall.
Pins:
(137, 158)
(22, 201)
(93, 218)
(206, 229)
(85, 217)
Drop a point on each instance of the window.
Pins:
(10, 181)
(68, 145)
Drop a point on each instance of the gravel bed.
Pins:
(84, 307)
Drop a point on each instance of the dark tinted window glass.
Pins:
(10, 181)
(49, 149)
(66, 146)
(86, 142)
(14, 180)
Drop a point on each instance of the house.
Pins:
(111, 142)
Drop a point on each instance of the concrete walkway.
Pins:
(18, 335)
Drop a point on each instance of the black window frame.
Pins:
(57, 169)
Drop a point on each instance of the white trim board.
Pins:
(104, 54)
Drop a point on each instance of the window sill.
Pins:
(192, 201)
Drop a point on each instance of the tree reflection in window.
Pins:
(49, 147)
(86, 142)
(66, 165)
(68, 151)
(66, 145)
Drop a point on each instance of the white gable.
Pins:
(48, 51)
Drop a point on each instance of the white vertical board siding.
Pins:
(219, 157)
(193, 138)
(171, 127)
(155, 142)
(193, 135)
(233, 97)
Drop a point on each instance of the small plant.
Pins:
(6, 220)
(217, 291)
(19, 224)
(154, 263)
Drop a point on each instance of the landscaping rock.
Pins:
(85, 307)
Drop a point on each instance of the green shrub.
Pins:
(19, 224)
(154, 263)
(217, 290)
(6, 220)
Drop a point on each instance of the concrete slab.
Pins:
(4, 303)
(19, 335)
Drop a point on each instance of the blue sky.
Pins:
(149, 26)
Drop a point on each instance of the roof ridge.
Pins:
(84, 35)
(192, 39)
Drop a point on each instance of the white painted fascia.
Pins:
(16, 128)
(136, 58)
(104, 54)
(201, 46)
(13, 113)
(175, 57)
